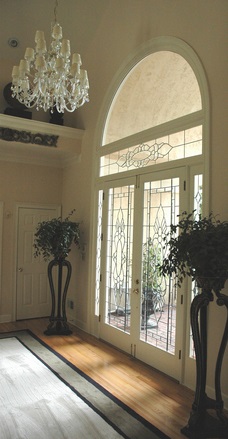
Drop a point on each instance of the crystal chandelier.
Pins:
(47, 79)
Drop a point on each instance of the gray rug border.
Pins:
(123, 419)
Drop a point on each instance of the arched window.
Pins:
(153, 164)
(159, 91)
(160, 88)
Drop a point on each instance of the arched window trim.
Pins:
(163, 43)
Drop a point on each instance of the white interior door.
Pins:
(33, 297)
(140, 312)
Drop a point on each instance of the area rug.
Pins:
(43, 396)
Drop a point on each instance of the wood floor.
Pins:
(152, 395)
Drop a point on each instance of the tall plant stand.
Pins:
(201, 424)
(58, 320)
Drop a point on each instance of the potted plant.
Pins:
(200, 250)
(54, 238)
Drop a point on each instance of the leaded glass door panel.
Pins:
(116, 285)
(161, 312)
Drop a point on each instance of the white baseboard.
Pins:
(5, 318)
(78, 323)
(211, 393)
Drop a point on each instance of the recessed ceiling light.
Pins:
(13, 42)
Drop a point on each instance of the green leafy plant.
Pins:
(200, 250)
(151, 277)
(54, 238)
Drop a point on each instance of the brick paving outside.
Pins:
(159, 330)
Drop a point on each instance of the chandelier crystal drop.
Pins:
(48, 79)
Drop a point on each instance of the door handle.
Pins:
(136, 291)
(20, 269)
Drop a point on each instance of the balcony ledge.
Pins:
(39, 143)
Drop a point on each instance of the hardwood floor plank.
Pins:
(154, 396)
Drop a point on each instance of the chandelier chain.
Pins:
(55, 10)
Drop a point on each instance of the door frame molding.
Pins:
(19, 206)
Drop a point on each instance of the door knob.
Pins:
(20, 269)
(136, 291)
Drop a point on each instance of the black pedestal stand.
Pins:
(58, 324)
(201, 424)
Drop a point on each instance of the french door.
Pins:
(141, 312)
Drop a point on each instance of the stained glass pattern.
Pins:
(119, 257)
(158, 302)
(198, 199)
(98, 253)
(187, 143)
